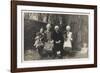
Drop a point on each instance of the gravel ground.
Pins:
(33, 55)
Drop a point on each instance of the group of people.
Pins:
(53, 43)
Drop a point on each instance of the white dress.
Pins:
(67, 42)
(49, 44)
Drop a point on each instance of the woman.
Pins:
(68, 40)
(58, 38)
(39, 42)
(48, 42)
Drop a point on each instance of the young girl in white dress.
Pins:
(68, 40)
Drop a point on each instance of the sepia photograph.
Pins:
(52, 36)
(55, 36)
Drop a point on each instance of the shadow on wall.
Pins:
(30, 29)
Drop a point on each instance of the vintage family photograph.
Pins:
(49, 36)
(52, 36)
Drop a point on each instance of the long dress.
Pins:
(68, 39)
(48, 44)
(58, 44)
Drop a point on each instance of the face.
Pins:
(68, 28)
(48, 26)
(41, 30)
(56, 28)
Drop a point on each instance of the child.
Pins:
(84, 49)
(39, 44)
(68, 40)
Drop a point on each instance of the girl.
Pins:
(68, 40)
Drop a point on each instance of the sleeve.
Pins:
(62, 38)
(52, 35)
(65, 36)
(71, 36)
(45, 37)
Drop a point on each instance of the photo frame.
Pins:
(22, 11)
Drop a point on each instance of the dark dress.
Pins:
(58, 36)
(41, 41)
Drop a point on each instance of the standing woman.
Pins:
(48, 41)
(68, 40)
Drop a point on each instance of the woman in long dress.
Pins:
(39, 42)
(48, 42)
(68, 40)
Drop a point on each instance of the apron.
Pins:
(67, 43)
(48, 46)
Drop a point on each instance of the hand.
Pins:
(70, 39)
(58, 41)
(52, 41)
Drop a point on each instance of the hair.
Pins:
(56, 26)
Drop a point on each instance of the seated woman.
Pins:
(58, 39)
(68, 40)
(39, 42)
